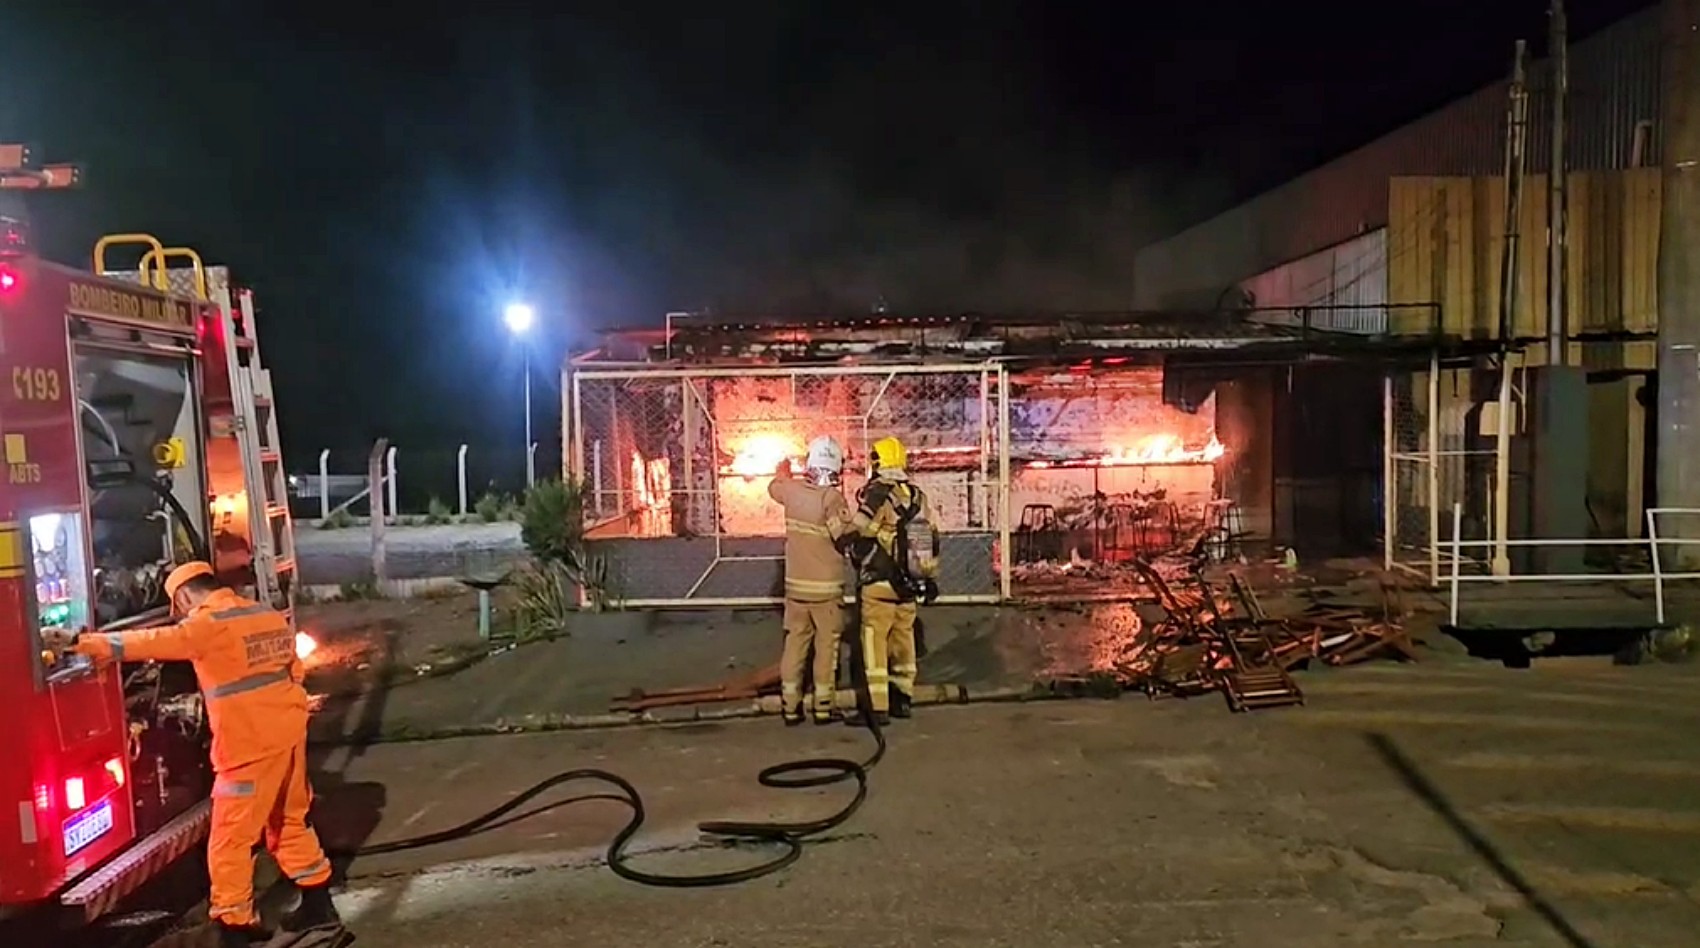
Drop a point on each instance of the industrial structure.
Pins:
(1055, 447)
(1553, 436)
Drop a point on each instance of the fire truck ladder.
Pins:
(270, 528)
(262, 457)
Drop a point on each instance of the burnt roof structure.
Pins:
(1266, 335)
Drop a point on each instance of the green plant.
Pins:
(552, 529)
(490, 507)
(360, 589)
(547, 598)
(339, 519)
(437, 512)
(552, 521)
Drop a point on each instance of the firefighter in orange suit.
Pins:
(894, 544)
(244, 657)
(815, 516)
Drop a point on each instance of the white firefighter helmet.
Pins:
(825, 461)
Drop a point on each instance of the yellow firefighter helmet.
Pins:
(888, 454)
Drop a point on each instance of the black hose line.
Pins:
(791, 775)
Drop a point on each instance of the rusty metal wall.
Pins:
(1614, 82)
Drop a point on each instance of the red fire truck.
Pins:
(138, 433)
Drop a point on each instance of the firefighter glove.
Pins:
(929, 591)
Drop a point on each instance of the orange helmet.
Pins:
(182, 574)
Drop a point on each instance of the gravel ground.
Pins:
(332, 557)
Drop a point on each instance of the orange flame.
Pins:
(1165, 449)
(759, 455)
(304, 645)
(1151, 450)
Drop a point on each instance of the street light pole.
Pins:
(519, 317)
(530, 455)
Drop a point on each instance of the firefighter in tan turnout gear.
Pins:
(895, 548)
(815, 516)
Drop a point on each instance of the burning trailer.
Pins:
(1057, 450)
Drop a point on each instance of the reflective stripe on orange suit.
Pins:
(244, 657)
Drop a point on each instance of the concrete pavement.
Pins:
(1451, 803)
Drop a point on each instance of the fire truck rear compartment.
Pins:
(138, 424)
(139, 427)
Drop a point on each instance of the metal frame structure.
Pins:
(1657, 574)
(585, 463)
(1439, 468)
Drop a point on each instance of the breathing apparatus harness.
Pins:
(899, 565)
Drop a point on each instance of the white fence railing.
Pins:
(1657, 574)
(338, 492)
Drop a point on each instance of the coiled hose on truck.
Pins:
(790, 775)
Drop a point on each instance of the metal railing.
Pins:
(326, 486)
(1657, 575)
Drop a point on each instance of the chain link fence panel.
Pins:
(1442, 452)
(676, 464)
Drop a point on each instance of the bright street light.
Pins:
(519, 317)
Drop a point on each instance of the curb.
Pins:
(761, 707)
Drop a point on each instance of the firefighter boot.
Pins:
(791, 716)
(900, 703)
(315, 911)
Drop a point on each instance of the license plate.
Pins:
(88, 826)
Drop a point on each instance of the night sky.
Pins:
(386, 183)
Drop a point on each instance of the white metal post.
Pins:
(577, 461)
(596, 473)
(1502, 474)
(1457, 557)
(389, 461)
(325, 484)
(1658, 570)
(688, 446)
(530, 447)
(375, 474)
(460, 472)
(1005, 556)
(1433, 452)
(986, 428)
(1389, 472)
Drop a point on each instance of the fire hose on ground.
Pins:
(791, 775)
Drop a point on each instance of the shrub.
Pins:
(552, 529)
(489, 507)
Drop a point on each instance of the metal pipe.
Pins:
(1502, 473)
(1516, 128)
(1457, 557)
(1557, 191)
(1389, 473)
(1005, 557)
(1432, 435)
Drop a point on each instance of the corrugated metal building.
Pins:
(1333, 214)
